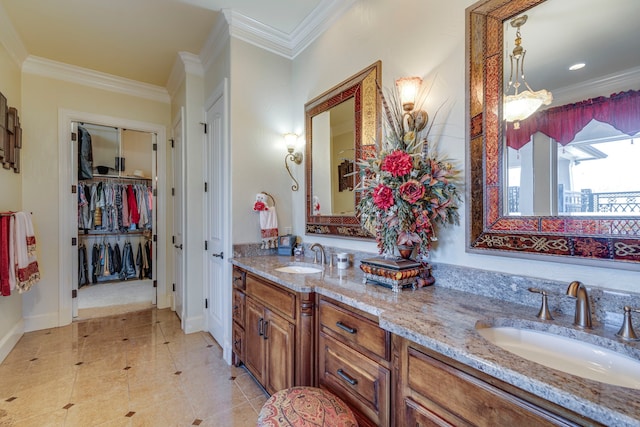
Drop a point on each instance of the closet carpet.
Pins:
(136, 369)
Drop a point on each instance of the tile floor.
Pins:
(135, 369)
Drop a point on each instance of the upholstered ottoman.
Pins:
(305, 407)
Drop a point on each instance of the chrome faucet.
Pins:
(315, 253)
(582, 317)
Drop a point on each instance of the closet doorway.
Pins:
(115, 170)
(128, 153)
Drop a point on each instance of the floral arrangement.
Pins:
(407, 190)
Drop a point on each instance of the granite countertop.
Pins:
(445, 319)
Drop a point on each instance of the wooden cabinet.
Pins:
(354, 361)
(434, 390)
(238, 316)
(274, 332)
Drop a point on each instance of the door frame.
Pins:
(222, 91)
(179, 118)
(68, 203)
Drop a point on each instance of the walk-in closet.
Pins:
(115, 220)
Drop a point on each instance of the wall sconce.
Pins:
(290, 140)
(408, 90)
(519, 106)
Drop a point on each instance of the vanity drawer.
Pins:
(238, 307)
(455, 395)
(357, 331)
(272, 296)
(359, 381)
(238, 279)
(238, 341)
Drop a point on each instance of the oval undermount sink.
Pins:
(566, 354)
(298, 269)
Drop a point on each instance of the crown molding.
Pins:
(599, 86)
(279, 42)
(98, 80)
(216, 43)
(185, 63)
(11, 40)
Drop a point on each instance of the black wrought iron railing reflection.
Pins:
(586, 201)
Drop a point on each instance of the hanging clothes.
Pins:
(83, 272)
(85, 154)
(128, 270)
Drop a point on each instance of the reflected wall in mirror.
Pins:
(539, 190)
(341, 127)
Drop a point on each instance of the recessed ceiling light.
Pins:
(577, 66)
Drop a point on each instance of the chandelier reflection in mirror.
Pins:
(520, 105)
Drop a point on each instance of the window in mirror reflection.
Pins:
(598, 173)
(333, 133)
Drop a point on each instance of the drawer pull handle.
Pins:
(346, 377)
(260, 326)
(346, 328)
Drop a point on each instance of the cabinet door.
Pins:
(238, 307)
(254, 343)
(279, 337)
(238, 344)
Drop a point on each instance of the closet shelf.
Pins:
(99, 233)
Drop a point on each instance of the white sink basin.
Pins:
(567, 354)
(298, 269)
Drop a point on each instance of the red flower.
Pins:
(397, 163)
(260, 206)
(423, 222)
(411, 191)
(383, 197)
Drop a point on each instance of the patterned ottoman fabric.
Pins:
(305, 407)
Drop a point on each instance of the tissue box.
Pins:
(286, 244)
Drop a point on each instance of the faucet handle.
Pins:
(626, 331)
(544, 313)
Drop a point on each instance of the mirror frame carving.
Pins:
(576, 239)
(363, 86)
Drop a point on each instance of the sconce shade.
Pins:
(290, 140)
(408, 88)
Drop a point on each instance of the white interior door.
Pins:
(217, 293)
(178, 214)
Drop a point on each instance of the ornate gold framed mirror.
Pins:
(342, 126)
(609, 237)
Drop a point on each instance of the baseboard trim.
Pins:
(193, 324)
(43, 321)
(9, 341)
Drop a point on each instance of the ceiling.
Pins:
(139, 39)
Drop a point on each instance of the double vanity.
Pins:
(431, 356)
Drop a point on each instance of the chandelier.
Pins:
(520, 105)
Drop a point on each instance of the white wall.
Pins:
(261, 113)
(11, 325)
(424, 38)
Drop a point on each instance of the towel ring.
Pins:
(270, 196)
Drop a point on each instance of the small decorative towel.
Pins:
(268, 222)
(5, 288)
(27, 272)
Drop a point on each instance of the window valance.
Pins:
(620, 110)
